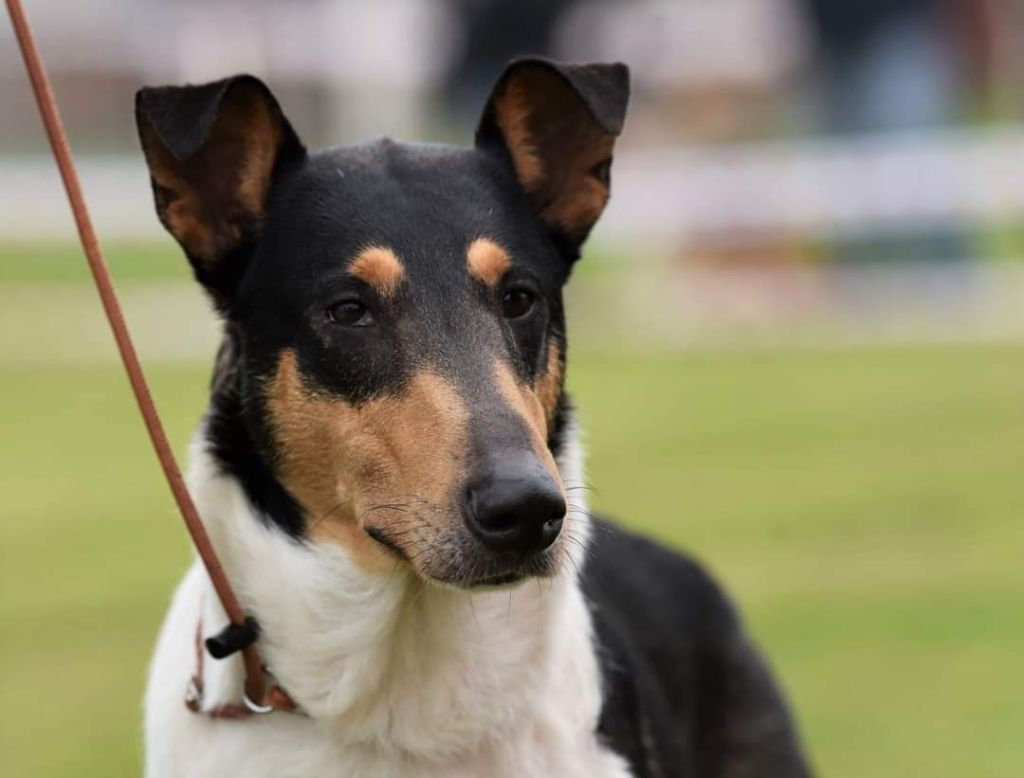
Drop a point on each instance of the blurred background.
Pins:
(797, 336)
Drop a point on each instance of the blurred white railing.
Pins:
(669, 199)
(858, 186)
(733, 194)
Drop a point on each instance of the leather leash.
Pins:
(242, 632)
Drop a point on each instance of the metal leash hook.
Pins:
(254, 708)
(242, 632)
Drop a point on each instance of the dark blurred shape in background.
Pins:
(494, 32)
(895, 64)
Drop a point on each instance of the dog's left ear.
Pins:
(214, 151)
(557, 124)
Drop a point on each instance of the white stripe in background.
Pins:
(733, 193)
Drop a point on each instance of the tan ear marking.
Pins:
(256, 127)
(208, 220)
(512, 111)
(487, 261)
(379, 268)
(559, 148)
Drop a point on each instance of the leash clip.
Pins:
(234, 637)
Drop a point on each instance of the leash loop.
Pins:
(242, 627)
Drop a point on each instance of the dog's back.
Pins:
(687, 693)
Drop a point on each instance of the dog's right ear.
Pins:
(213, 151)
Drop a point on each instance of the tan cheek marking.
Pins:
(523, 401)
(307, 429)
(392, 463)
(548, 387)
(487, 261)
(379, 268)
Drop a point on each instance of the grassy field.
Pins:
(864, 505)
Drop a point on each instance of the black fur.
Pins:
(687, 692)
(241, 450)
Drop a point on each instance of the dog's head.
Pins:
(391, 375)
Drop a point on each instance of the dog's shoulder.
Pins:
(686, 692)
(666, 588)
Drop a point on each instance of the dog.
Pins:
(391, 471)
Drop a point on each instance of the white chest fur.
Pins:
(399, 678)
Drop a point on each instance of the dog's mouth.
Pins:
(388, 542)
(467, 567)
(497, 581)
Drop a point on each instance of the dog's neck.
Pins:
(391, 660)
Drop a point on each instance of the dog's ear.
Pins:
(213, 151)
(557, 124)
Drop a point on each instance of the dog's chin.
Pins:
(490, 574)
(494, 583)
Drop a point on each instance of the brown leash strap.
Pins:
(244, 629)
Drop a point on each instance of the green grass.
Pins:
(863, 505)
(61, 261)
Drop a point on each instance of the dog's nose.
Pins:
(515, 507)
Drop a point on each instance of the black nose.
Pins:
(515, 506)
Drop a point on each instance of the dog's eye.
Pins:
(350, 313)
(517, 302)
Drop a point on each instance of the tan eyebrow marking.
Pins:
(378, 267)
(487, 261)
